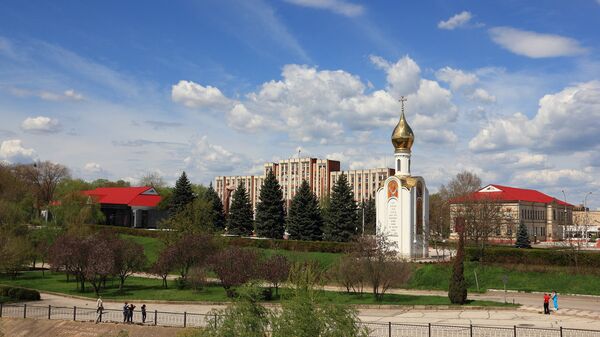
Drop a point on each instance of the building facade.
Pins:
(586, 223)
(321, 175)
(545, 217)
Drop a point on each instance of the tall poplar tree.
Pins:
(342, 218)
(304, 219)
(182, 194)
(457, 292)
(270, 214)
(239, 221)
(217, 208)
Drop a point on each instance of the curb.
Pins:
(541, 293)
(357, 306)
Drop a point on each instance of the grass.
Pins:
(523, 278)
(140, 289)
(153, 246)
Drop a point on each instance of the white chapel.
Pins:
(402, 202)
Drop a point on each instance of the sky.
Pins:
(117, 89)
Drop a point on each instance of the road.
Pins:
(576, 312)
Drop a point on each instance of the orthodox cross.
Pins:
(402, 100)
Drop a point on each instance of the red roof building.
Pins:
(128, 206)
(546, 217)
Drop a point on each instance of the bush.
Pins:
(19, 294)
(551, 257)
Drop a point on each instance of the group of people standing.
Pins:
(128, 312)
(547, 298)
(128, 309)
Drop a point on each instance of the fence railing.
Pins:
(376, 329)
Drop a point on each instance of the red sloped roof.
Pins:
(507, 193)
(131, 196)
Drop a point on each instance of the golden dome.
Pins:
(403, 136)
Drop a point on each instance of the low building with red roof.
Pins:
(546, 217)
(128, 206)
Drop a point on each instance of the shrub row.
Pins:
(534, 256)
(19, 294)
(293, 245)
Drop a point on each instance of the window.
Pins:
(398, 165)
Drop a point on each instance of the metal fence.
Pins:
(376, 329)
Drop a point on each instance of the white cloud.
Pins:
(194, 95)
(337, 6)
(515, 160)
(456, 77)
(210, 158)
(566, 120)
(92, 167)
(66, 95)
(13, 151)
(535, 45)
(456, 21)
(40, 124)
(402, 77)
(482, 96)
(559, 177)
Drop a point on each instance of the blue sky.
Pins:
(510, 89)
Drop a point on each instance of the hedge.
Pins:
(293, 245)
(533, 256)
(19, 294)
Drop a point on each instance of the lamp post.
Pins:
(565, 215)
(587, 220)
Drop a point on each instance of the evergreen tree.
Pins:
(270, 214)
(239, 221)
(342, 218)
(458, 287)
(523, 237)
(217, 208)
(304, 219)
(182, 194)
(367, 209)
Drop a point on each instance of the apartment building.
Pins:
(321, 175)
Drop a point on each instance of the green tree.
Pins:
(195, 217)
(217, 208)
(304, 219)
(523, 237)
(270, 214)
(458, 287)
(182, 195)
(367, 210)
(239, 221)
(342, 220)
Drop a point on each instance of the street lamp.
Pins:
(587, 220)
(565, 215)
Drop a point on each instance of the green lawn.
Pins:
(153, 246)
(151, 289)
(562, 280)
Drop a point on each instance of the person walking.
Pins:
(554, 297)
(125, 312)
(143, 313)
(546, 304)
(99, 309)
(131, 307)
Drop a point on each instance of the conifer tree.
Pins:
(368, 207)
(270, 214)
(217, 208)
(523, 237)
(458, 287)
(239, 221)
(304, 219)
(182, 194)
(342, 218)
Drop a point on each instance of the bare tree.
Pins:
(129, 257)
(153, 179)
(275, 270)
(439, 221)
(43, 177)
(381, 264)
(235, 266)
(164, 264)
